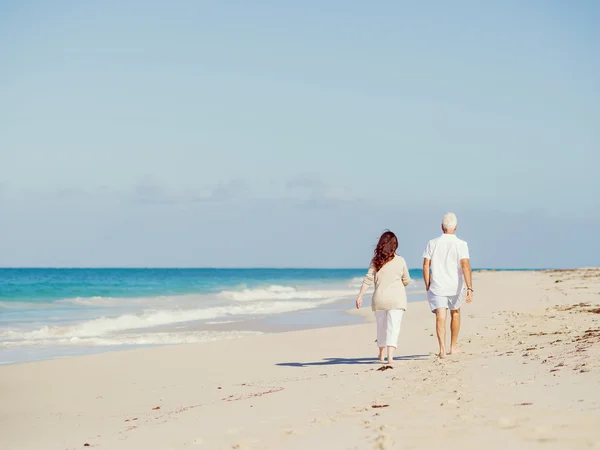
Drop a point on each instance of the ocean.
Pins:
(52, 313)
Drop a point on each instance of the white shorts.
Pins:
(388, 327)
(452, 302)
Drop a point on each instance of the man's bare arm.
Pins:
(466, 270)
(426, 266)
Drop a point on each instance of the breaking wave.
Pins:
(161, 338)
(103, 325)
(276, 292)
(154, 320)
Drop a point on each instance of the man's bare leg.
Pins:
(390, 355)
(381, 357)
(440, 326)
(454, 329)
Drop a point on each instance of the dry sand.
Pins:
(528, 377)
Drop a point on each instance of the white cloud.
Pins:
(152, 191)
(315, 190)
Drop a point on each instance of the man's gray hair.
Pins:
(449, 221)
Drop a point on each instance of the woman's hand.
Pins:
(358, 302)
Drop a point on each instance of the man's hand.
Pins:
(358, 302)
(466, 270)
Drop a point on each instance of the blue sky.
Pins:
(292, 133)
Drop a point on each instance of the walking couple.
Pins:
(447, 276)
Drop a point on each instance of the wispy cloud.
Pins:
(223, 192)
(307, 189)
(317, 191)
(152, 191)
(309, 182)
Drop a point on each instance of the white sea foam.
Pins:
(93, 301)
(356, 282)
(108, 302)
(282, 293)
(157, 320)
(109, 325)
(132, 339)
(273, 292)
(19, 306)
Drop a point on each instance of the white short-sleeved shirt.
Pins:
(445, 253)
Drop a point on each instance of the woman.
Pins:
(390, 274)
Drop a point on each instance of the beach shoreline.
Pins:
(229, 304)
(527, 378)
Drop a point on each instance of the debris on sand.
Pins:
(233, 398)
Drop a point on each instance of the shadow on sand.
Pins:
(352, 361)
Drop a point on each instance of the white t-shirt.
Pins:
(445, 254)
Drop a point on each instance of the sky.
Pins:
(291, 134)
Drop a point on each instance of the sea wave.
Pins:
(168, 338)
(356, 282)
(107, 325)
(276, 292)
(90, 301)
(273, 292)
(22, 305)
(110, 302)
(156, 320)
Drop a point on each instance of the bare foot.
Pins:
(454, 350)
(442, 354)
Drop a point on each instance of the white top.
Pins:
(445, 254)
(389, 284)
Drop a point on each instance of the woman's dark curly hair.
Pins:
(385, 250)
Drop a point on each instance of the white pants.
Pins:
(388, 327)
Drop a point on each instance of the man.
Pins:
(447, 275)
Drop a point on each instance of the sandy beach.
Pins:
(528, 377)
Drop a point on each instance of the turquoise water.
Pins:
(40, 285)
(48, 313)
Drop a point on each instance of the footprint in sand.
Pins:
(507, 423)
(233, 431)
(382, 442)
(245, 444)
